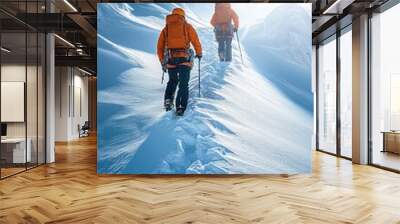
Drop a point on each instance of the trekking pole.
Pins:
(240, 49)
(162, 77)
(199, 77)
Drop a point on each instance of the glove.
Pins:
(164, 68)
(198, 56)
(235, 29)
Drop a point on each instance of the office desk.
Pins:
(391, 142)
(13, 150)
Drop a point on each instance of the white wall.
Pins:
(80, 109)
(70, 84)
(13, 101)
(12, 73)
(33, 127)
(62, 82)
(17, 73)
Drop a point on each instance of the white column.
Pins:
(50, 92)
(360, 90)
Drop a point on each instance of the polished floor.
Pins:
(9, 171)
(5, 172)
(387, 159)
(70, 191)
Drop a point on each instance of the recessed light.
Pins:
(5, 50)
(64, 40)
(338, 6)
(84, 71)
(70, 5)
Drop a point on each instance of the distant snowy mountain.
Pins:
(241, 123)
(280, 47)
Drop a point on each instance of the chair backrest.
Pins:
(86, 125)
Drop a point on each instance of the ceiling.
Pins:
(75, 23)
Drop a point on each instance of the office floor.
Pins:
(8, 171)
(387, 159)
(70, 191)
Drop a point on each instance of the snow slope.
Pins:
(241, 123)
(284, 38)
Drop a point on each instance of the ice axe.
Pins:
(240, 49)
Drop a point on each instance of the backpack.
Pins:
(222, 13)
(176, 32)
(176, 38)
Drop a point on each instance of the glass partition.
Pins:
(31, 100)
(327, 96)
(14, 153)
(22, 77)
(346, 93)
(385, 89)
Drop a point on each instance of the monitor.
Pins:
(3, 129)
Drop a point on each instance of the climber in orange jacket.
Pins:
(176, 56)
(222, 20)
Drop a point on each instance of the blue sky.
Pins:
(248, 13)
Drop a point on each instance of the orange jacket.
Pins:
(225, 15)
(193, 38)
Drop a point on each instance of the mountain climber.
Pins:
(224, 29)
(176, 56)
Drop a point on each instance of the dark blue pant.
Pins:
(225, 48)
(178, 76)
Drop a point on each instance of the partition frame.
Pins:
(338, 34)
(388, 5)
(44, 100)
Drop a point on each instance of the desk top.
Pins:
(391, 132)
(13, 140)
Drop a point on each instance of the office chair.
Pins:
(84, 130)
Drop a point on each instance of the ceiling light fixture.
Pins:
(84, 71)
(70, 5)
(79, 51)
(65, 41)
(5, 50)
(338, 6)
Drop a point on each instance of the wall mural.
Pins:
(204, 88)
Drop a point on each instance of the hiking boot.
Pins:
(180, 111)
(221, 57)
(168, 104)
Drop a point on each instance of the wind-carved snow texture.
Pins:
(276, 40)
(241, 123)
